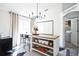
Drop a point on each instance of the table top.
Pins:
(46, 36)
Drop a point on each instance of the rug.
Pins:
(21, 54)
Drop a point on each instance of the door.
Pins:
(74, 44)
(74, 31)
(71, 38)
(24, 26)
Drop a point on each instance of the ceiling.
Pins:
(67, 5)
(71, 15)
(20, 8)
(27, 8)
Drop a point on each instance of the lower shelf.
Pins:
(40, 52)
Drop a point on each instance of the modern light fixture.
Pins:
(39, 15)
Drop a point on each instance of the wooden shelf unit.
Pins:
(40, 52)
(42, 45)
(53, 38)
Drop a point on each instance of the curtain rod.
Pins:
(19, 14)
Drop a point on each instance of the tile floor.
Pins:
(33, 53)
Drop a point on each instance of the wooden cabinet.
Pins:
(47, 45)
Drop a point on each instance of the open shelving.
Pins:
(43, 45)
(40, 52)
(54, 48)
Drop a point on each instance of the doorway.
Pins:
(71, 32)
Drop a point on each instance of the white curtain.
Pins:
(14, 27)
(18, 25)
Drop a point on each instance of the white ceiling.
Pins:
(21, 8)
(67, 5)
(27, 8)
(71, 15)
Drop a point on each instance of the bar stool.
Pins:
(27, 42)
(22, 40)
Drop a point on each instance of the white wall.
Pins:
(4, 23)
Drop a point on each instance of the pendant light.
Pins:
(38, 14)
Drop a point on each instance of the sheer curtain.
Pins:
(18, 25)
(14, 27)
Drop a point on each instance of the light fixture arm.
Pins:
(37, 10)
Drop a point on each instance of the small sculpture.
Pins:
(35, 30)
